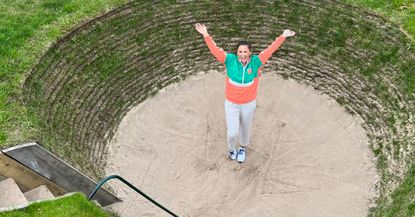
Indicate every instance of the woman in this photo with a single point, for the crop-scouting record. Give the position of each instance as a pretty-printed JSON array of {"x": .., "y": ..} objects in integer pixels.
[{"x": 242, "y": 70}]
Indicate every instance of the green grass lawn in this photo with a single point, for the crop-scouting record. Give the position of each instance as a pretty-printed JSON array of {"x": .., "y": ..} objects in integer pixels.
[
  {"x": 398, "y": 11},
  {"x": 27, "y": 30},
  {"x": 70, "y": 206}
]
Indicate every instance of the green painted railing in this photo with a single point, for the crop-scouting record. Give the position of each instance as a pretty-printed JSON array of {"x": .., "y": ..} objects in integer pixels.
[{"x": 103, "y": 181}]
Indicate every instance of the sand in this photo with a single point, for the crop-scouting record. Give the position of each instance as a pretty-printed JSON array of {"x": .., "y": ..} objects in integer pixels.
[{"x": 308, "y": 156}]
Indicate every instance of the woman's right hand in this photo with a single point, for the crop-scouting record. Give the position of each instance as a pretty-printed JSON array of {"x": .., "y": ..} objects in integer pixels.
[
  {"x": 288, "y": 33},
  {"x": 201, "y": 29}
]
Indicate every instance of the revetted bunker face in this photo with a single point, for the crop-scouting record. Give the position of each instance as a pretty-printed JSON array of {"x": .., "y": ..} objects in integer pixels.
[{"x": 88, "y": 80}]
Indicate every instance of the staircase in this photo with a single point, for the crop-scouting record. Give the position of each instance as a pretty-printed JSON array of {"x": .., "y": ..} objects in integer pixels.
[
  {"x": 29, "y": 173},
  {"x": 12, "y": 197}
]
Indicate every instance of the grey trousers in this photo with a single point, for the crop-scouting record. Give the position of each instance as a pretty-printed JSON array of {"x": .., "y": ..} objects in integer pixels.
[{"x": 238, "y": 120}]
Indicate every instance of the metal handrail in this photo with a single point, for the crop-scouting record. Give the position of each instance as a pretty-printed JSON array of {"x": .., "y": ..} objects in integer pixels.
[{"x": 131, "y": 186}]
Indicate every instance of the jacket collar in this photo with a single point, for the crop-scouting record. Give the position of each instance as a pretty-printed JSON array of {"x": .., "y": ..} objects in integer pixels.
[{"x": 247, "y": 62}]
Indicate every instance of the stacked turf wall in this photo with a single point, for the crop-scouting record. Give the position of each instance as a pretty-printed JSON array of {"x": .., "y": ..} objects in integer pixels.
[{"x": 88, "y": 80}]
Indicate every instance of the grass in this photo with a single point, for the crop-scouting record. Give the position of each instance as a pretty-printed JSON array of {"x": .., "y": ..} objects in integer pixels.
[
  {"x": 402, "y": 12},
  {"x": 69, "y": 206},
  {"x": 28, "y": 29},
  {"x": 402, "y": 200},
  {"x": 398, "y": 11}
]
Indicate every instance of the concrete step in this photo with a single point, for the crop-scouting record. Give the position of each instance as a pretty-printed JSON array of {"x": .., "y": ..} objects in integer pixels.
[
  {"x": 40, "y": 193},
  {"x": 25, "y": 177},
  {"x": 43, "y": 162},
  {"x": 11, "y": 196}
]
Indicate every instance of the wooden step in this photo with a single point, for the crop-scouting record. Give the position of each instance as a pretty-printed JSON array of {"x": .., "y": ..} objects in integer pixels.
[
  {"x": 11, "y": 196},
  {"x": 40, "y": 193}
]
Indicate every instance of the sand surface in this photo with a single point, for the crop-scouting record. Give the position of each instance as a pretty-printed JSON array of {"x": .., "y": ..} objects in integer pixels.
[{"x": 307, "y": 157}]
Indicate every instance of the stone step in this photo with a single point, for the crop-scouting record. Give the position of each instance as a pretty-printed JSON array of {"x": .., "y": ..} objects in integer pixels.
[
  {"x": 11, "y": 196},
  {"x": 39, "y": 193}
]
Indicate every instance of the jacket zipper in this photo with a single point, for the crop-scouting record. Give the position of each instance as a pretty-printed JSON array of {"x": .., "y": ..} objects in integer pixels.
[{"x": 243, "y": 73}]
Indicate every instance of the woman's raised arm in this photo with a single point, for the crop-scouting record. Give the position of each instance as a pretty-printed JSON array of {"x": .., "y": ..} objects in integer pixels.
[
  {"x": 267, "y": 53},
  {"x": 220, "y": 54}
]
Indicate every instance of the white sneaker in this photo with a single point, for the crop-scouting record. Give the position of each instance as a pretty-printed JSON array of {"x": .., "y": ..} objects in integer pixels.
[
  {"x": 241, "y": 155},
  {"x": 232, "y": 154}
]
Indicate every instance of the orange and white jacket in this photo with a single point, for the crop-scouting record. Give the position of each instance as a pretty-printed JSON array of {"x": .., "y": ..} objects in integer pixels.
[{"x": 242, "y": 81}]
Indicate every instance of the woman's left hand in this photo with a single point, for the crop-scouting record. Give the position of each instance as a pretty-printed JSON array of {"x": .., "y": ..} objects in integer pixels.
[{"x": 288, "y": 33}]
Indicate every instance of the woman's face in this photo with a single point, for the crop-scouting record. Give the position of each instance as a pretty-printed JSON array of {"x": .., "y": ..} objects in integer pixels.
[{"x": 243, "y": 53}]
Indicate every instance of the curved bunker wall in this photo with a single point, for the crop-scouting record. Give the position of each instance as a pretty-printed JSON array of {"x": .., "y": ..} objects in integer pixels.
[{"x": 85, "y": 84}]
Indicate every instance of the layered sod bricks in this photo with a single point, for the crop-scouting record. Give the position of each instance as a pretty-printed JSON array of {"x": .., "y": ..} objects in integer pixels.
[{"x": 88, "y": 80}]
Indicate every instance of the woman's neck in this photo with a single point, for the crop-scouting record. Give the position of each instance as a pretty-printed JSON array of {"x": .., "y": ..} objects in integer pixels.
[{"x": 246, "y": 62}]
